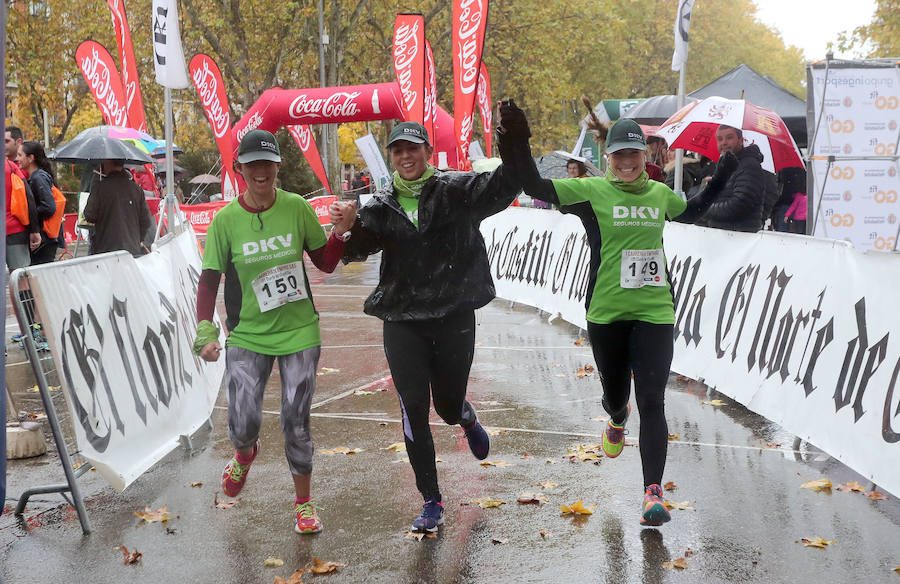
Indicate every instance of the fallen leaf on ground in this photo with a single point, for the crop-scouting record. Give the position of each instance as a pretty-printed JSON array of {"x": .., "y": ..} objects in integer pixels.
[
  {"x": 545, "y": 534},
  {"x": 897, "y": 569},
  {"x": 419, "y": 535},
  {"x": 585, "y": 453},
  {"x": 37, "y": 417},
  {"x": 773, "y": 444},
  {"x": 224, "y": 504},
  {"x": 584, "y": 371},
  {"x": 151, "y": 516},
  {"x": 550, "y": 461},
  {"x": 485, "y": 502},
  {"x": 296, "y": 578},
  {"x": 273, "y": 562},
  {"x": 33, "y": 389},
  {"x": 677, "y": 564},
  {"x": 396, "y": 447},
  {"x": 713, "y": 402},
  {"x": 496, "y": 432},
  {"x": 531, "y": 499},
  {"x": 579, "y": 342},
  {"x": 320, "y": 567},
  {"x": 495, "y": 463},
  {"x": 341, "y": 450},
  {"x": 547, "y": 485},
  {"x": 688, "y": 552},
  {"x": 438, "y": 459},
  {"x": 817, "y": 485},
  {"x": 499, "y": 540},
  {"x": 670, "y": 486},
  {"x": 679, "y": 505},
  {"x": 588, "y": 367},
  {"x": 876, "y": 496},
  {"x": 170, "y": 531},
  {"x": 130, "y": 558},
  {"x": 326, "y": 370},
  {"x": 363, "y": 392},
  {"x": 816, "y": 542},
  {"x": 195, "y": 484},
  {"x": 399, "y": 460},
  {"x": 674, "y": 436},
  {"x": 852, "y": 486},
  {"x": 526, "y": 455},
  {"x": 577, "y": 508}
]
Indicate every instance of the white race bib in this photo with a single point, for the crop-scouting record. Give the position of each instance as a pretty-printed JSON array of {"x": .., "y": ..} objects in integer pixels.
[
  {"x": 279, "y": 285},
  {"x": 642, "y": 267}
]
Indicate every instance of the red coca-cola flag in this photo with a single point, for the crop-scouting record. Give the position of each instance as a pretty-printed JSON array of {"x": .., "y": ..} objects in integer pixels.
[
  {"x": 469, "y": 22},
  {"x": 430, "y": 97},
  {"x": 484, "y": 107},
  {"x": 320, "y": 206},
  {"x": 130, "y": 81},
  {"x": 103, "y": 80},
  {"x": 200, "y": 216},
  {"x": 208, "y": 80},
  {"x": 409, "y": 64},
  {"x": 303, "y": 136}
]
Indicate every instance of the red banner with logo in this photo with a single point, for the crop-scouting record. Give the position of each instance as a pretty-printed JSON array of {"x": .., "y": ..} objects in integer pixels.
[
  {"x": 320, "y": 206},
  {"x": 208, "y": 80},
  {"x": 430, "y": 97},
  {"x": 200, "y": 216},
  {"x": 103, "y": 80},
  {"x": 409, "y": 64},
  {"x": 485, "y": 107},
  {"x": 469, "y": 22},
  {"x": 130, "y": 80},
  {"x": 303, "y": 136}
]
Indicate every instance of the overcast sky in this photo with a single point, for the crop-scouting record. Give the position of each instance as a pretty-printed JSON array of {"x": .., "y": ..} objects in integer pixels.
[{"x": 811, "y": 24}]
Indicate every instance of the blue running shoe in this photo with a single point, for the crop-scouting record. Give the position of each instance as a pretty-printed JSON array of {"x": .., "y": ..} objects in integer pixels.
[
  {"x": 653, "y": 511},
  {"x": 431, "y": 517},
  {"x": 479, "y": 441}
]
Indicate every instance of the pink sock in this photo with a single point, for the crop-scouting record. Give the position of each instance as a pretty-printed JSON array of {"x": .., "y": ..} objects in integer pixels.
[
  {"x": 302, "y": 500},
  {"x": 244, "y": 459}
]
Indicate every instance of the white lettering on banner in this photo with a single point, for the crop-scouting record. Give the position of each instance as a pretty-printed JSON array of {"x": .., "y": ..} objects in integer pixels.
[
  {"x": 266, "y": 245},
  {"x": 337, "y": 105},
  {"x": 406, "y": 49},
  {"x": 253, "y": 122},
  {"x": 160, "y": 16},
  {"x": 120, "y": 26},
  {"x": 208, "y": 88},
  {"x": 303, "y": 136},
  {"x": 465, "y": 130},
  {"x": 809, "y": 349},
  {"x": 469, "y": 22},
  {"x": 120, "y": 331},
  {"x": 99, "y": 78}
]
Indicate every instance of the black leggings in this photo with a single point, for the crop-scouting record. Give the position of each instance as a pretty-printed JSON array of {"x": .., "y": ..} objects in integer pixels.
[
  {"x": 430, "y": 359},
  {"x": 644, "y": 349}
]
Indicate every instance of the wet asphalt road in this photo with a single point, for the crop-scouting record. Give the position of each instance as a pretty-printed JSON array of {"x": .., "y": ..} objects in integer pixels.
[{"x": 739, "y": 474}]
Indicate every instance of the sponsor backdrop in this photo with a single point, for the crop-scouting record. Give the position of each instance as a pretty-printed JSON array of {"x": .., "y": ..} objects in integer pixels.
[
  {"x": 858, "y": 110},
  {"x": 797, "y": 329},
  {"x": 121, "y": 331}
]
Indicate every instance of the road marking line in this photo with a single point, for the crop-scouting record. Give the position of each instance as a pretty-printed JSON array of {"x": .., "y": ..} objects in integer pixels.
[{"x": 350, "y": 392}]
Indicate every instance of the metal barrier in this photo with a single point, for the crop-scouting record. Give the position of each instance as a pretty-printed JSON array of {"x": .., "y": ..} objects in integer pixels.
[{"x": 24, "y": 304}]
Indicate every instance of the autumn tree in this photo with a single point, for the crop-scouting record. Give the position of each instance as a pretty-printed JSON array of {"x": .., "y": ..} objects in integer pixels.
[{"x": 881, "y": 36}]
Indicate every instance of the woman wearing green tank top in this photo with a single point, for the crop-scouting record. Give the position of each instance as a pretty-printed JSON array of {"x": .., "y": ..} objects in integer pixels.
[{"x": 630, "y": 310}]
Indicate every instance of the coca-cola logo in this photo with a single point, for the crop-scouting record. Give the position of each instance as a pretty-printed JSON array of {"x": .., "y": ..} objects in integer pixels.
[
  {"x": 200, "y": 218},
  {"x": 254, "y": 122},
  {"x": 483, "y": 104},
  {"x": 468, "y": 40},
  {"x": 465, "y": 130},
  {"x": 207, "y": 83},
  {"x": 99, "y": 77},
  {"x": 303, "y": 136},
  {"x": 340, "y": 104},
  {"x": 406, "y": 50},
  {"x": 430, "y": 86}
]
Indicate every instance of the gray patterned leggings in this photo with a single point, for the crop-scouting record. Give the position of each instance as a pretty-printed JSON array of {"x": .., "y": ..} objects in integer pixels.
[{"x": 246, "y": 374}]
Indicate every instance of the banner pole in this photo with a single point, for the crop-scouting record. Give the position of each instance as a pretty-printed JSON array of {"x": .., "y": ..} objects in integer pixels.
[
  {"x": 170, "y": 164},
  {"x": 679, "y": 153}
]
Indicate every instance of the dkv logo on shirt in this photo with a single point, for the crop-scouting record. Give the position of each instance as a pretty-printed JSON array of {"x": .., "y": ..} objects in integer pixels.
[
  {"x": 277, "y": 243},
  {"x": 635, "y": 212}
]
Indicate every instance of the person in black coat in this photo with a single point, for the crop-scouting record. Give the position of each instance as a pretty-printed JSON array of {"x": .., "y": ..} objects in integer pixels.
[{"x": 434, "y": 274}]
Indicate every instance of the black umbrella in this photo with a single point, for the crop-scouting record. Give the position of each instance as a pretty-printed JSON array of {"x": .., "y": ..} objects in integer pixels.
[
  {"x": 88, "y": 147},
  {"x": 655, "y": 110}
]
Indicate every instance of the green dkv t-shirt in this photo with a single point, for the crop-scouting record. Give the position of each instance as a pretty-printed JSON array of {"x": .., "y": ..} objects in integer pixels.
[
  {"x": 631, "y": 280},
  {"x": 277, "y": 313}
]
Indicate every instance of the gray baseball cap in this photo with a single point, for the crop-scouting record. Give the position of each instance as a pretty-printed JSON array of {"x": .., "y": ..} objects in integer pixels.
[
  {"x": 411, "y": 132},
  {"x": 258, "y": 145},
  {"x": 624, "y": 134}
]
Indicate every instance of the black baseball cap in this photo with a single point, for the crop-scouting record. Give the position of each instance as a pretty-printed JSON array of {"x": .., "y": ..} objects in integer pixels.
[
  {"x": 258, "y": 145},
  {"x": 624, "y": 134},
  {"x": 411, "y": 132}
]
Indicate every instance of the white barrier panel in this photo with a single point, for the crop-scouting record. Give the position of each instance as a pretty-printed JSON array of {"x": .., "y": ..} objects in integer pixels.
[
  {"x": 797, "y": 329},
  {"x": 121, "y": 331}
]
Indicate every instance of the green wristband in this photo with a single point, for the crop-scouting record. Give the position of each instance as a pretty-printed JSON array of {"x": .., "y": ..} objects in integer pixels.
[{"x": 207, "y": 333}]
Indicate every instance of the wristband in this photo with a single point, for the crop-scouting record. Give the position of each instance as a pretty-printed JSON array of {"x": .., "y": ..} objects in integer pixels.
[{"x": 207, "y": 333}]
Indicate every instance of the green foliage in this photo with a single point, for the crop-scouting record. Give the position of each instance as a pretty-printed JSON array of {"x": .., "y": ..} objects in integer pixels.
[{"x": 881, "y": 37}]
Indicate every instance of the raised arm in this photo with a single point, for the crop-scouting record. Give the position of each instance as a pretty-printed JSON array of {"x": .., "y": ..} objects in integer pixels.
[{"x": 515, "y": 150}]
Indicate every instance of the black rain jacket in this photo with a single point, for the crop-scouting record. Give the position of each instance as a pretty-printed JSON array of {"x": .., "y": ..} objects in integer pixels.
[
  {"x": 739, "y": 207},
  {"x": 441, "y": 267}
]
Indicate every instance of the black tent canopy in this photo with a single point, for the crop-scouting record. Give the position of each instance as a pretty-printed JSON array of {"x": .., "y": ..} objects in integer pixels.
[{"x": 762, "y": 91}]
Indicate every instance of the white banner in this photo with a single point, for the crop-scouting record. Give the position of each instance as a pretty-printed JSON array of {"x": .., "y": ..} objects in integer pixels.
[
  {"x": 121, "y": 331},
  {"x": 795, "y": 328},
  {"x": 682, "y": 27},
  {"x": 371, "y": 153},
  {"x": 168, "y": 56},
  {"x": 858, "y": 116}
]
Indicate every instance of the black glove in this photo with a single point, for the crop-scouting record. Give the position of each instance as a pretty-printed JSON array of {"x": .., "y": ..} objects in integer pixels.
[{"x": 513, "y": 124}]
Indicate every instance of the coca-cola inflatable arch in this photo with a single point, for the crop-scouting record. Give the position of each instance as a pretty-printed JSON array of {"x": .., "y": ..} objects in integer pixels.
[{"x": 334, "y": 105}]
